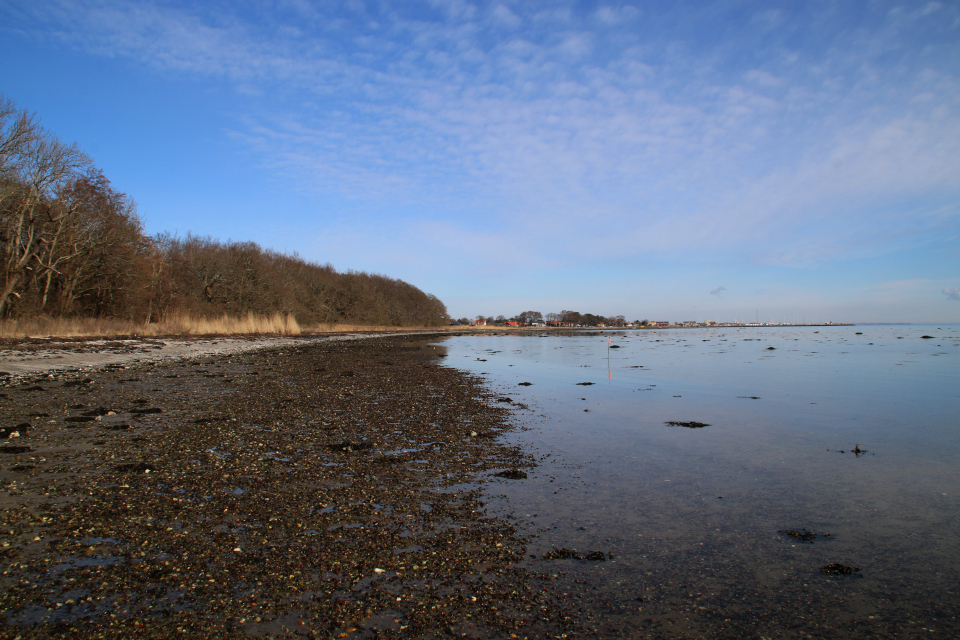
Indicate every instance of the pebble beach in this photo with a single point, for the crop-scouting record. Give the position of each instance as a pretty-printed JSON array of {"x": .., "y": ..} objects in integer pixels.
[{"x": 286, "y": 488}]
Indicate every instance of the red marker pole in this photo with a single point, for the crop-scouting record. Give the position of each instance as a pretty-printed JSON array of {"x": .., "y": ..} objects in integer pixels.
[{"x": 609, "y": 370}]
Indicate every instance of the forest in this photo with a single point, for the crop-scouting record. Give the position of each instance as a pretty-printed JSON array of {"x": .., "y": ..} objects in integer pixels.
[{"x": 72, "y": 246}]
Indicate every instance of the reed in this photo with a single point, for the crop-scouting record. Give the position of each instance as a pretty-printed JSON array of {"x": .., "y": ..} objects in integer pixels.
[
  {"x": 277, "y": 324},
  {"x": 185, "y": 324},
  {"x": 67, "y": 327},
  {"x": 178, "y": 325}
]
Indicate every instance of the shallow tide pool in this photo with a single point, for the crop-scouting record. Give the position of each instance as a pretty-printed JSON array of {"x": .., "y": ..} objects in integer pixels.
[{"x": 848, "y": 433}]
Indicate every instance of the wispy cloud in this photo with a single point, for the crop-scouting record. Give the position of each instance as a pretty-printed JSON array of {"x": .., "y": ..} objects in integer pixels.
[
  {"x": 553, "y": 124},
  {"x": 952, "y": 293},
  {"x": 504, "y": 16},
  {"x": 802, "y": 136},
  {"x": 719, "y": 291}
]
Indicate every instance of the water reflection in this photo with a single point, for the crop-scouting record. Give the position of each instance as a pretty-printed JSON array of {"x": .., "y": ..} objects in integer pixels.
[{"x": 694, "y": 517}]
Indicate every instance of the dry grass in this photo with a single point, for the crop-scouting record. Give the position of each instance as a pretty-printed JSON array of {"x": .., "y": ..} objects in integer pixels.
[
  {"x": 180, "y": 325},
  {"x": 187, "y": 325},
  {"x": 278, "y": 324},
  {"x": 67, "y": 327}
]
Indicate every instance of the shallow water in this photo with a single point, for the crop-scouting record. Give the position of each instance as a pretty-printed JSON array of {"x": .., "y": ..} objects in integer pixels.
[{"x": 856, "y": 436}]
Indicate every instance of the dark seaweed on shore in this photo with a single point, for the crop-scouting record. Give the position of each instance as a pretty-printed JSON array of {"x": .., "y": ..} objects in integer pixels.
[
  {"x": 261, "y": 506},
  {"x": 569, "y": 554},
  {"x": 802, "y": 535},
  {"x": 837, "y": 569}
]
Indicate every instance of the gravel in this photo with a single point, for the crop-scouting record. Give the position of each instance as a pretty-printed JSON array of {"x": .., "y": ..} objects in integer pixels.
[{"x": 311, "y": 489}]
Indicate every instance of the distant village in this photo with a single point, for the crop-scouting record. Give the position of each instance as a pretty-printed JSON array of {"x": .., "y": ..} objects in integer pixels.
[{"x": 574, "y": 319}]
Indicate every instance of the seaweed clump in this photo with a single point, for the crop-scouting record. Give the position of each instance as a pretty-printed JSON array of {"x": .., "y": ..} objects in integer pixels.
[
  {"x": 570, "y": 554},
  {"x": 802, "y": 535},
  {"x": 837, "y": 569}
]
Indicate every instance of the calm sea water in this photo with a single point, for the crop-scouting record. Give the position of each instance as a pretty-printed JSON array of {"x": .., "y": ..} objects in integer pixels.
[{"x": 847, "y": 431}]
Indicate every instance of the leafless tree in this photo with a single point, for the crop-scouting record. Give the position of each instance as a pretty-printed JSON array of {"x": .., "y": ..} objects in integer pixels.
[
  {"x": 35, "y": 167},
  {"x": 70, "y": 244}
]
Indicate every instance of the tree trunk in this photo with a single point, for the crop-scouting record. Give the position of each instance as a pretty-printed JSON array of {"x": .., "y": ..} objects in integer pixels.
[{"x": 8, "y": 292}]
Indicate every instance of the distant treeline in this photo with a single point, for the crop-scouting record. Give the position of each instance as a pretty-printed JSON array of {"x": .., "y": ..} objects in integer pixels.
[
  {"x": 565, "y": 318},
  {"x": 72, "y": 246}
]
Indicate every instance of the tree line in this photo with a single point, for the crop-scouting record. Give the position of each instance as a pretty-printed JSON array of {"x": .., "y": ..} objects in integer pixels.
[
  {"x": 73, "y": 246},
  {"x": 564, "y": 318}
]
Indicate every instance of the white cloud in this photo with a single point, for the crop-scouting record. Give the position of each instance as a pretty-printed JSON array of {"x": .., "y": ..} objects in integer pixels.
[
  {"x": 616, "y": 16},
  {"x": 458, "y": 9},
  {"x": 768, "y": 19},
  {"x": 503, "y": 16},
  {"x": 675, "y": 144},
  {"x": 575, "y": 45},
  {"x": 762, "y": 78},
  {"x": 952, "y": 293}
]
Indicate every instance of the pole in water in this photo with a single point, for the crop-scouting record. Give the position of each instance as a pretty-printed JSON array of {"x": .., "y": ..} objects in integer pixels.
[{"x": 609, "y": 370}]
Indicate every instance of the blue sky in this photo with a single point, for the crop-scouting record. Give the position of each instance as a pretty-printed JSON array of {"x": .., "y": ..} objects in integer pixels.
[{"x": 663, "y": 160}]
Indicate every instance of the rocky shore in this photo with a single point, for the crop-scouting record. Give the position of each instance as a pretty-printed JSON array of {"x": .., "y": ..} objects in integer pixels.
[{"x": 310, "y": 489}]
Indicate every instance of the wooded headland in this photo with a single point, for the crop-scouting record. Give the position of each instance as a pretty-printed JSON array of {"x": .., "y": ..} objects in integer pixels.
[{"x": 72, "y": 246}]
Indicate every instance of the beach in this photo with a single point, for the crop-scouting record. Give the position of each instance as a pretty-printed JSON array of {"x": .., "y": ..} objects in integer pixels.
[
  {"x": 723, "y": 483},
  {"x": 301, "y": 488}
]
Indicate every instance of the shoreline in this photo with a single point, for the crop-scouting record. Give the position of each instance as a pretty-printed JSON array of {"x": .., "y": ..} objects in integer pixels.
[
  {"x": 300, "y": 488},
  {"x": 27, "y": 358},
  {"x": 24, "y": 358}
]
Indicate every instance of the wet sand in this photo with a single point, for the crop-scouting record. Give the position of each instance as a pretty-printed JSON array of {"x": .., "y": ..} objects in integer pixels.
[
  {"x": 312, "y": 489},
  {"x": 25, "y": 357}
]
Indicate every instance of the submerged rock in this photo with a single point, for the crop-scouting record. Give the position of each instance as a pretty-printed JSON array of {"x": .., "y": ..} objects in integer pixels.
[
  {"x": 570, "y": 554},
  {"x": 802, "y": 535},
  {"x": 837, "y": 569},
  {"x": 14, "y": 449},
  {"x": 350, "y": 446}
]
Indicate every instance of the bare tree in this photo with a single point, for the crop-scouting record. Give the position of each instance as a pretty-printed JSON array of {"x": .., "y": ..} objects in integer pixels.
[
  {"x": 18, "y": 130},
  {"x": 101, "y": 255},
  {"x": 35, "y": 166},
  {"x": 530, "y": 317},
  {"x": 70, "y": 244}
]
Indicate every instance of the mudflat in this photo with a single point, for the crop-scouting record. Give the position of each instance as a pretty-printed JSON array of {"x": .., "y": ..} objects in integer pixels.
[{"x": 312, "y": 489}]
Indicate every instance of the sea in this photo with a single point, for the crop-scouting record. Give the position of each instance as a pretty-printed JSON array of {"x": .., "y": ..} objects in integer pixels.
[{"x": 762, "y": 482}]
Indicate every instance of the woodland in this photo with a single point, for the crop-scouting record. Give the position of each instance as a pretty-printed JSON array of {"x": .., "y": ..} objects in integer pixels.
[{"x": 72, "y": 246}]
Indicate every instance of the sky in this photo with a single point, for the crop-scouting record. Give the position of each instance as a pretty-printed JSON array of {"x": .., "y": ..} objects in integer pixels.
[{"x": 683, "y": 160}]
